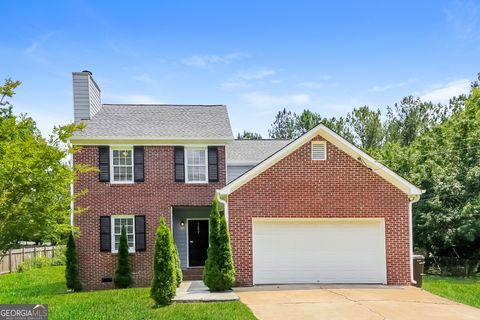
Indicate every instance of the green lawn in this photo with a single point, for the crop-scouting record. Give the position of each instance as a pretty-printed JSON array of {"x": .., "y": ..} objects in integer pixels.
[
  {"x": 457, "y": 289},
  {"x": 47, "y": 285}
]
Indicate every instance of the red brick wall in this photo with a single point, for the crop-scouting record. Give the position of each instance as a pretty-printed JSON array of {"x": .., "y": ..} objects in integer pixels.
[
  {"x": 152, "y": 198},
  {"x": 339, "y": 187}
]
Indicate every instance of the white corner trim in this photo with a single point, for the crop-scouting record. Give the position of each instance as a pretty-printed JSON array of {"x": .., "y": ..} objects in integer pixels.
[{"x": 337, "y": 141}]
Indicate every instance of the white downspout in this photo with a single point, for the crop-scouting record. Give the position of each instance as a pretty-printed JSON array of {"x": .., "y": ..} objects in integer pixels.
[
  {"x": 412, "y": 200},
  {"x": 72, "y": 204},
  {"x": 225, "y": 205}
]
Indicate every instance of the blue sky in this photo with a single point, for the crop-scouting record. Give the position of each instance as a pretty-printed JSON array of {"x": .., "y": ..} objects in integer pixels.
[{"x": 254, "y": 56}]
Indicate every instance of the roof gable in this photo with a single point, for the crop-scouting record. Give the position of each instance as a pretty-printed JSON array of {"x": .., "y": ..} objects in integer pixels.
[{"x": 342, "y": 144}]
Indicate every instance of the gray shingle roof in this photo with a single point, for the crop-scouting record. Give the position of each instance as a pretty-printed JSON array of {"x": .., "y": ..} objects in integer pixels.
[
  {"x": 158, "y": 122},
  {"x": 253, "y": 151}
]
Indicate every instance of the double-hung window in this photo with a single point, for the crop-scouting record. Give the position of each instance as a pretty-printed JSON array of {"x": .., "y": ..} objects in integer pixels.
[
  {"x": 196, "y": 165},
  {"x": 117, "y": 223},
  {"x": 122, "y": 165}
]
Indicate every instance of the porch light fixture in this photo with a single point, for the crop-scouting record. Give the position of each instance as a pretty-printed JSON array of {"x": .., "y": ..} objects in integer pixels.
[{"x": 182, "y": 223}]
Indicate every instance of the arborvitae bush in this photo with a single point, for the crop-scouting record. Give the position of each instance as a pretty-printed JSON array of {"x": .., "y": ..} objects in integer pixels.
[
  {"x": 123, "y": 275},
  {"x": 164, "y": 282},
  {"x": 178, "y": 268},
  {"x": 219, "y": 273},
  {"x": 72, "y": 276}
]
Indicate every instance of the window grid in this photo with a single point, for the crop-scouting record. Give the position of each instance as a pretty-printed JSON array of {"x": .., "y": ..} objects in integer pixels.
[
  {"x": 128, "y": 222},
  {"x": 122, "y": 165},
  {"x": 196, "y": 165}
]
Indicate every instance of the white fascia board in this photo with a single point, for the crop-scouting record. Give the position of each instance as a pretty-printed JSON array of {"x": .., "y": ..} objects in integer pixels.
[{"x": 339, "y": 142}]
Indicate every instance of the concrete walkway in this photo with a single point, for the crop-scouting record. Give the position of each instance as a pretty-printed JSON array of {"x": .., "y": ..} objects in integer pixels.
[
  {"x": 351, "y": 302},
  {"x": 196, "y": 291}
]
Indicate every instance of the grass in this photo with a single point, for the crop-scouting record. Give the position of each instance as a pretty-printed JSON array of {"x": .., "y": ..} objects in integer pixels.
[
  {"x": 47, "y": 285},
  {"x": 464, "y": 290}
]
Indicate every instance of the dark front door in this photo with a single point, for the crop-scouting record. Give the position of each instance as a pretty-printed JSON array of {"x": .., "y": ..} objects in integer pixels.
[{"x": 197, "y": 242}]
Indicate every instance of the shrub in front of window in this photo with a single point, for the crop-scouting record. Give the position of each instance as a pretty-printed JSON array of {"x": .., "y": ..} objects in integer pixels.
[
  {"x": 219, "y": 273},
  {"x": 164, "y": 283},
  {"x": 72, "y": 276},
  {"x": 123, "y": 274},
  {"x": 178, "y": 268}
]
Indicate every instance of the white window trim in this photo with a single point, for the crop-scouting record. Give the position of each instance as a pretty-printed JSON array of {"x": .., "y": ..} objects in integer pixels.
[
  {"x": 205, "y": 149},
  {"x": 112, "y": 224},
  {"x": 324, "y": 143},
  {"x": 111, "y": 164}
]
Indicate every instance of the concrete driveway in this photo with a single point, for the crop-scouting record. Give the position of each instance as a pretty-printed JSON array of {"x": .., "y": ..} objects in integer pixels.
[{"x": 337, "y": 302}]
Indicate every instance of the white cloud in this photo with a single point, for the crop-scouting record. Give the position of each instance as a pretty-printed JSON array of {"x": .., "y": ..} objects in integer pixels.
[
  {"x": 145, "y": 78},
  {"x": 320, "y": 82},
  {"x": 242, "y": 78},
  {"x": 198, "y": 60},
  {"x": 262, "y": 100},
  {"x": 393, "y": 85},
  {"x": 442, "y": 94},
  {"x": 38, "y": 42}
]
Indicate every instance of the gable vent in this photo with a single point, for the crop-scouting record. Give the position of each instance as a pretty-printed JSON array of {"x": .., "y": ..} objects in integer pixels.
[{"x": 319, "y": 150}]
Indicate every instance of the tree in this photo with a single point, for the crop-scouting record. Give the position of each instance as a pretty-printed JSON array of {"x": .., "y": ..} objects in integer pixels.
[
  {"x": 123, "y": 274},
  {"x": 34, "y": 178},
  {"x": 445, "y": 161},
  {"x": 412, "y": 117},
  {"x": 366, "y": 126},
  {"x": 227, "y": 269},
  {"x": 72, "y": 276},
  {"x": 340, "y": 127},
  {"x": 306, "y": 121},
  {"x": 219, "y": 274},
  {"x": 178, "y": 268},
  {"x": 164, "y": 282},
  {"x": 247, "y": 135},
  {"x": 284, "y": 126}
]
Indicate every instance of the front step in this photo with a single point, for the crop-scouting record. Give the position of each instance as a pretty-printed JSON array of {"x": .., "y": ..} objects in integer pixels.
[{"x": 192, "y": 274}]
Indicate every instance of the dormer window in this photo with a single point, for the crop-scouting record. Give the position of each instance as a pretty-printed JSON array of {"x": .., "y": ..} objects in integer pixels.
[{"x": 196, "y": 165}]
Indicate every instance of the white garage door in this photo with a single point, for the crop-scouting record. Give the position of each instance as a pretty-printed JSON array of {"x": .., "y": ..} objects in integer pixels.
[{"x": 318, "y": 251}]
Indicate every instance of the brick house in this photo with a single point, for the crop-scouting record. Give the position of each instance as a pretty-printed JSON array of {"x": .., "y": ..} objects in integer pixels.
[{"x": 312, "y": 210}]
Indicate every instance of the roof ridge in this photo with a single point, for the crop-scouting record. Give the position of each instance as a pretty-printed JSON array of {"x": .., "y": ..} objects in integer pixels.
[
  {"x": 164, "y": 105},
  {"x": 263, "y": 139}
]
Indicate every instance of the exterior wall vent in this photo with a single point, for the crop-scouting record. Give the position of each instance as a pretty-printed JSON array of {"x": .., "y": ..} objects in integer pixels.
[{"x": 319, "y": 150}]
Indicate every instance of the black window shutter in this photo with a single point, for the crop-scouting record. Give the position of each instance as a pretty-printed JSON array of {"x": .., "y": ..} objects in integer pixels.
[
  {"x": 138, "y": 157},
  {"x": 140, "y": 240},
  {"x": 179, "y": 162},
  {"x": 213, "y": 164},
  {"x": 104, "y": 163},
  {"x": 105, "y": 233}
]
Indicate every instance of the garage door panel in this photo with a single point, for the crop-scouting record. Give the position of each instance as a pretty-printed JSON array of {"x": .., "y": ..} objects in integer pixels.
[{"x": 323, "y": 251}]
